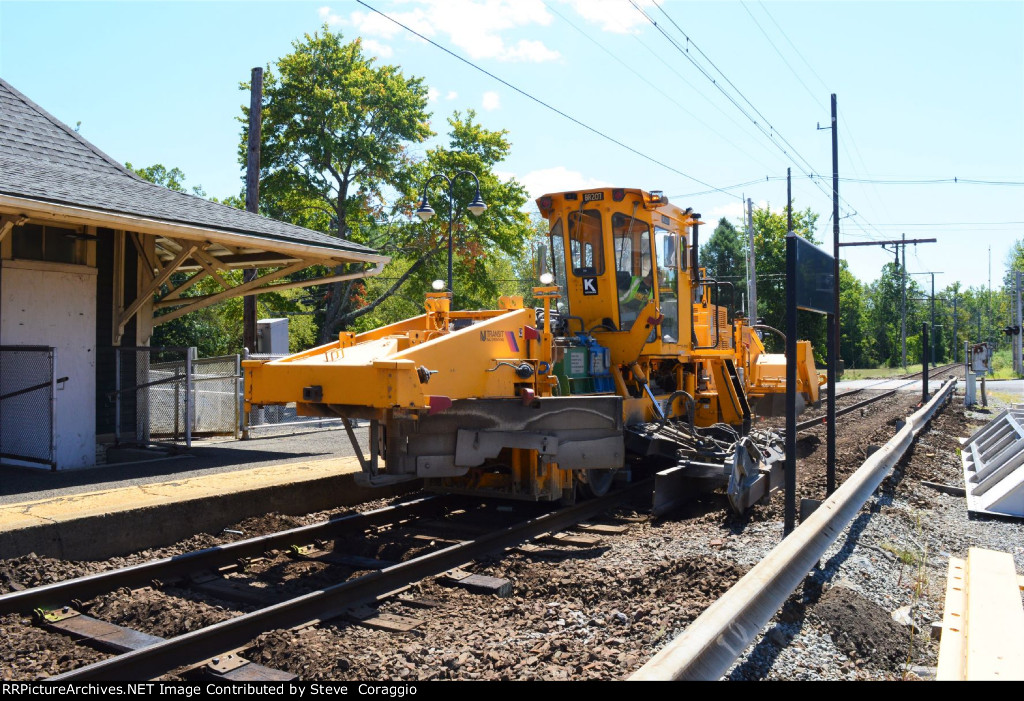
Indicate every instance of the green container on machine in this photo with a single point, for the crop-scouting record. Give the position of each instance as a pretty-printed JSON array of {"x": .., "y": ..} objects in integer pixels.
[{"x": 572, "y": 372}]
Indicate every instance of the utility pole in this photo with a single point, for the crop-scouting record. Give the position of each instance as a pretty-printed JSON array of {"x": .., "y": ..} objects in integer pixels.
[
  {"x": 933, "y": 321},
  {"x": 932, "y": 349},
  {"x": 956, "y": 342},
  {"x": 752, "y": 265},
  {"x": 1019, "y": 339},
  {"x": 833, "y": 319},
  {"x": 898, "y": 244},
  {"x": 252, "y": 197},
  {"x": 833, "y": 323},
  {"x": 903, "y": 316}
]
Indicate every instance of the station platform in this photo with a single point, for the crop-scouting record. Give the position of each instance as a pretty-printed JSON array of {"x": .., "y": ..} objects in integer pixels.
[{"x": 114, "y": 509}]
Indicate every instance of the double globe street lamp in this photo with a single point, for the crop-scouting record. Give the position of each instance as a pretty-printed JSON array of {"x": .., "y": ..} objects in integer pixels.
[{"x": 425, "y": 211}]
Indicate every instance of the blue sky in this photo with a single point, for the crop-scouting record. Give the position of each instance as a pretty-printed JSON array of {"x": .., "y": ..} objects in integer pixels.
[{"x": 926, "y": 91}]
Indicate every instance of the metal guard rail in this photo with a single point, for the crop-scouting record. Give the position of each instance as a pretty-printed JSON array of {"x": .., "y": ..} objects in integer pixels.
[{"x": 715, "y": 640}]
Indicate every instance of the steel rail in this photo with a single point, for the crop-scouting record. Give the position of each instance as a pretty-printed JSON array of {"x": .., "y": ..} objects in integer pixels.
[
  {"x": 713, "y": 642},
  {"x": 325, "y": 604},
  {"x": 941, "y": 368},
  {"x": 83, "y": 588},
  {"x": 820, "y": 420}
]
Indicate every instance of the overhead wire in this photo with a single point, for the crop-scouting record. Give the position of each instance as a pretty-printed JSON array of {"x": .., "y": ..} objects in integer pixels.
[
  {"x": 791, "y": 69},
  {"x": 541, "y": 102},
  {"x": 771, "y": 132},
  {"x": 847, "y": 130},
  {"x": 644, "y": 78}
]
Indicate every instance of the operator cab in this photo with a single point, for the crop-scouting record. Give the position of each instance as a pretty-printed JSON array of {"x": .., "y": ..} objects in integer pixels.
[{"x": 614, "y": 250}]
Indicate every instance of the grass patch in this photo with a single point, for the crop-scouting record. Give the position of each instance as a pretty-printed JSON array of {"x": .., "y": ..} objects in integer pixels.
[
  {"x": 1007, "y": 398},
  {"x": 1002, "y": 365},
  {"x": 912, "y": 558},
  {"x": 877, "y": 373}
]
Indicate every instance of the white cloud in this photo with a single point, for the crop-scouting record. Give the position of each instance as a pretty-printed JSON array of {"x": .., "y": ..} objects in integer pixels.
[
  {"x": 557, "y": 179},
  {"x": 530, "y": 51},
  {"x": 375, "y": 47},
  {"x": 432, "y": 94},
  {"x": 474, "y": 26},
  {"x": 613, "y": 15},
  {"x": 491, "y": 101},
  {"x": 451, "y": 95},
  {"x": 373, "y": 24},
  {"x": 329, "y": 17},
  {"x": 732, "y": 211}
]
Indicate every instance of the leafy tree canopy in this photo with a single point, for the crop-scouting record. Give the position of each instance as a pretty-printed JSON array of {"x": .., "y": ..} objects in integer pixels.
[{"x": 724, "y": 255}]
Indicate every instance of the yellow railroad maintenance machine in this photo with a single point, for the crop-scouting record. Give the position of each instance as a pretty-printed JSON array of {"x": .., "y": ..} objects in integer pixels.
[{"x": 628, "y": 361}]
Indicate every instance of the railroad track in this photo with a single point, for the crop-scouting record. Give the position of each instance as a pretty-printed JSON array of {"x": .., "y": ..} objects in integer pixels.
[
  {"x": 208, "y": 649},
  {"x": 196, "y": 650},
  {"x": 821, "y": 420},
  {"x": 932, "y": 372}
]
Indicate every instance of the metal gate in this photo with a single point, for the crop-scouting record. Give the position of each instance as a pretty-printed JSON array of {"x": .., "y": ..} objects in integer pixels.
[
  {"x": 28, "y": 397},
  {"x": 176, "y": 395}
]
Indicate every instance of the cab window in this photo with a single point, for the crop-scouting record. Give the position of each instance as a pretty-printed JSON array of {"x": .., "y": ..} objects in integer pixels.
[
  {"x": 667, "y": 247},
  {"x": 585, "y": 248},
  {"x": 631, "y": 242},
  {"x": 558, "y": 256}
]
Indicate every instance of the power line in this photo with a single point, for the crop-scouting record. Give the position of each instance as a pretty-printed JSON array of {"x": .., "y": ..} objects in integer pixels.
[
  {"x": 795, "y": 49},
  {"x": 932, "y": 181},
  {"x": 770, "y": 132},
  {"x": 753, "y": 138},
  {"x": 644, "y": 78},
  {"x": 848, "y": 130},
  {"x": 541, "y": 102},
  {"x": 961, "y": 223},
  {"x": 772, "y": 43}
]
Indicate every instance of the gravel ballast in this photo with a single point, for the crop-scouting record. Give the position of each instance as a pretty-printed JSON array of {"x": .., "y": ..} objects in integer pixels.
[{"x": 599, "y": 612}]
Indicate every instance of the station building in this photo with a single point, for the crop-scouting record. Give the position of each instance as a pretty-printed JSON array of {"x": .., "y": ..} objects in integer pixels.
[{"x": 87, "y": 254}]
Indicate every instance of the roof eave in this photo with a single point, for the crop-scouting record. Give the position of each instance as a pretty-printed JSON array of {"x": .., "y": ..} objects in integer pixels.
[{"x": 73, "y": 214}]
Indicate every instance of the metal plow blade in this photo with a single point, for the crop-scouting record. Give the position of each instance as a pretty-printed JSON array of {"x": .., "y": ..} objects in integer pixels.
[{"x": 756, "y": 470}]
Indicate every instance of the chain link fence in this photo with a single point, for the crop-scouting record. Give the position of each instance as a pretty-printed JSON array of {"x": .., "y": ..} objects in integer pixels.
[
  {"x": 217, "y": 396},
  {"x": 176, "y": 396},
  {"x": 27, "y": 404},
  {"x": 154, "y": 383}
]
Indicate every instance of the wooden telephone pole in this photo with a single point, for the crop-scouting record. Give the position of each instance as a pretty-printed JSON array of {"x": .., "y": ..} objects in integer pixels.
[{"x": 252, "y": 197}]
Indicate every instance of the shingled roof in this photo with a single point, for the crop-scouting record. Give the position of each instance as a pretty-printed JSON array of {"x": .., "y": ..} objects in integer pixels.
[{"x": 43, "y": 160}]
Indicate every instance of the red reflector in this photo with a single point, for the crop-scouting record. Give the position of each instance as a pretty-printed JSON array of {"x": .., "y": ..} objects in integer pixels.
[
  {"x": 530, "y": 333},
  {"x": 439, "y": 404},
  {"x": 618, "y": 194}
]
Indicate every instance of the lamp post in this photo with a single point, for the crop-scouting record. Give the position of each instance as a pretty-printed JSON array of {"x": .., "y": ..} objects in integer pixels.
[{"x": 476, "y": 207}]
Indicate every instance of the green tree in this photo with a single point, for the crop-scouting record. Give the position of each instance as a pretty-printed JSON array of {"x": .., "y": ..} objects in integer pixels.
[
  {"x": 171, "y": 178},
  {"x": 855, "y": 347},
  {"x": 724, "y": 256},
  {"x": 885, "y": 312},
  {"x": 770, "y": 251},
  {"x": 336, "y": 135},
  {"x": 487, "y": 250}
]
